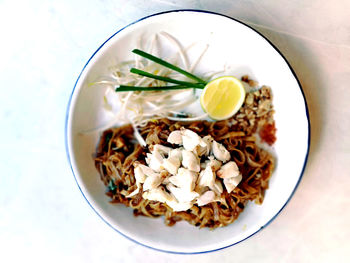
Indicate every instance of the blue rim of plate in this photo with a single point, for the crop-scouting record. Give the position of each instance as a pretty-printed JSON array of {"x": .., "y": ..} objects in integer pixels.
[{"x": 307, "y": 116}]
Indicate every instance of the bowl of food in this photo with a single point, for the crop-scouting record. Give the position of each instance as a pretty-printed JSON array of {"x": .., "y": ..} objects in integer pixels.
[{"x": 187, "y": 131}]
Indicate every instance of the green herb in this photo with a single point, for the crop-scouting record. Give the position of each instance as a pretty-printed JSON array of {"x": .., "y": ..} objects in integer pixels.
[
  {"x": 112, "y": 187},
  {"x": 199, "y": 84},
  {"x": 166, "y": 79},
  {"x": 122, "y": 88},
  {"x": 168, "y": 65}
]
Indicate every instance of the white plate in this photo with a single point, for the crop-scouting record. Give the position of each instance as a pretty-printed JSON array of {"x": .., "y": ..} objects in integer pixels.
[{"x": 232, "y": 43}]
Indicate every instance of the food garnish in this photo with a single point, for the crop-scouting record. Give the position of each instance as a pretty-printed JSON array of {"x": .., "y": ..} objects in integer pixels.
[{"x": 221, "y": 98}]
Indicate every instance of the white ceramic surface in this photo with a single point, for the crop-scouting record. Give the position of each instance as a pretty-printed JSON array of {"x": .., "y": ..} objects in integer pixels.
[
  {"x": 245, "y": 51},
  {"x": 43, "y": 215}
]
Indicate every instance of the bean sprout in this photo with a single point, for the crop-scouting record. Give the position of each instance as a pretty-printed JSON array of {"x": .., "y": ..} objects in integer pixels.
[{"x": 140, "y": 107}]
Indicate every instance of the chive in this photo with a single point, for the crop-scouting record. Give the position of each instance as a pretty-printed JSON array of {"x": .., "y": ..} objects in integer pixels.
[
  {"x": 168, "y": 65},
  {"x": 123, "y": 88},
  {"x": 166, "y": 79}
]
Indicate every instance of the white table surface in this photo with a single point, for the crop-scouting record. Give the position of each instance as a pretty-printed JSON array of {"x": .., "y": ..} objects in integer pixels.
[{"x": 43, "y": 47}]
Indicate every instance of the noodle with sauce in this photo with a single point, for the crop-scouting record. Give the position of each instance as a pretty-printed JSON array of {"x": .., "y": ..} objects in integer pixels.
[{"x": 118, "y": 151}]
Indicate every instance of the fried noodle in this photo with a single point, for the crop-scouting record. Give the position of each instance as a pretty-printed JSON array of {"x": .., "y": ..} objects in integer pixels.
[{"x": 118, "y": 150}]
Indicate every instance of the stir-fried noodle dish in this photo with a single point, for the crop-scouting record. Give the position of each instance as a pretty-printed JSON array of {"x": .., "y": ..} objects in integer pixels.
[
  {"x": 204, "y": 172},
  {"x": 118, "y": 153}
]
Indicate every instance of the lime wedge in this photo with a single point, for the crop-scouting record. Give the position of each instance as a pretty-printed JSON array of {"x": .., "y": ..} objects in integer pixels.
[{"x": 222, "y": 97}]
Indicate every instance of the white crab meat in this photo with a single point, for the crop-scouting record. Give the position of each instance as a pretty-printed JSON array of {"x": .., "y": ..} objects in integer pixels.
[
  {"x": 173, "y": 162},
  {"x": 140, "y": 178},
  {"x": 228, "y": 170},
  {"x": 190, "y": 181},
  {"x": 158, "y": 194},
  {"x": 176, "y": 153},
  {"x": 175, "y": 137},
  {"x": 191, "y": 140},
  {"x": 147, "y": 171},
  {"x": 163, "y": 150},
  {"x": 152, "y": 182},
  {"x": 133, "y": 193},
  {"x": 155, "y": 160},
  {"x": 217, "y": 187},
  {"x": 205, "y": 146},
  {"x": 206, "y": 198},
  {"x": 181, "y": 194},
  {"x": 220, "y": 152},
  {"x": 171, "y": 166},
  {"x": 206, "y": 178},
  {"x": 148, "y": 158},
  {"x": 184, "y": 179},
  {"x": 231, "y": 182},
  {"x": 213, "y": 163},
  {"x": 190, "y": 161},
  {"x": 177, "y": 206}
]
